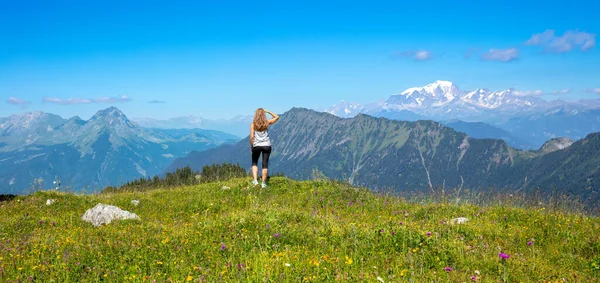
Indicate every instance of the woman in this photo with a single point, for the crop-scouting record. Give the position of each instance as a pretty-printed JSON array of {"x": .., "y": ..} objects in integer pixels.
[{"x": 261, "y": 143}]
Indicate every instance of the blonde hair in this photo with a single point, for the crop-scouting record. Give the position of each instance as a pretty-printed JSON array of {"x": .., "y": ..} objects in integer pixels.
[{"x": 260, "y": 120}]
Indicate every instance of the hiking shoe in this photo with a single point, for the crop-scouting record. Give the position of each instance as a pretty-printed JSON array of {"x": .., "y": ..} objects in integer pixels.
[
  {"x": 254, "y": 182},
  {"x": 263, "y": 185}
]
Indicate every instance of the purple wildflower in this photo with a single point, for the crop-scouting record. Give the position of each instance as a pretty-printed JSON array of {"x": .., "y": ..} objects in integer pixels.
[
  {"x": 393, "y": 233},
  {"x": 395, "y": 212},
  {"x": 41, "y": 221},
  {"x": 349, "y": 203},
  {"x": 448, "y": 268},
  {"x": 53, "y": 223},
  {"x": 400, "y": 223},
  {"x": 428, "y": 234},
  {"x": 474, "y": 278},
  {"x": 504, "y": 256},
  {"x": 442, "y": 222},
  {"x": 223, "y": 247},
  {"x": 529, "y": 243},
  {"x": 276, "y": 235}
]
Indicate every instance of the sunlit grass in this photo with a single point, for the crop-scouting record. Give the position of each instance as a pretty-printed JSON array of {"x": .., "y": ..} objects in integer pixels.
[{"x": 293, "y": 231}]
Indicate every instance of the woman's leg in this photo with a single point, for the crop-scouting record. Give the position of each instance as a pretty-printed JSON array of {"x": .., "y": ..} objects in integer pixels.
[
  {"x": 265, "y": 162},
  {"x": 255, "y": 156}
]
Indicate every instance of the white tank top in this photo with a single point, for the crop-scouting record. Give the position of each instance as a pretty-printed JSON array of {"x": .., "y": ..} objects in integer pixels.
[{"x": 261, "y": 138}]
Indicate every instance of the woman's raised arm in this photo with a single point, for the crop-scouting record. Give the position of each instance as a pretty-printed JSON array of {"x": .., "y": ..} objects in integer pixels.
[{"x": 275, "y": 117}]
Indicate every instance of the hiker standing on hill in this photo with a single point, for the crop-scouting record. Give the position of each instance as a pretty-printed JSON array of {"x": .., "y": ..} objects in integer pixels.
[{"x": 261, "y": 143}]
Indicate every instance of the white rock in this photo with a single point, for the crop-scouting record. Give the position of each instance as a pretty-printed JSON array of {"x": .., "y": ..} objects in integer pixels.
[
  {"x": 459, "y": 220},
  {"x": 135, "y": 202},
  {"x": 225, "y": 188},
  {"x": 50, "y": 201},
  {"x": 105, "y": 214}
]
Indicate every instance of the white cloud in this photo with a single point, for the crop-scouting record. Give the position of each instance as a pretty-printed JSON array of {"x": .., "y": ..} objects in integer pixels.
[
  {"x": 419, "y": 55},
  {"x": 422, "y": 55},
  {"x": 593, "y": 90},
  {"x": 122, "y": 98},
  {"x": 567, "y": 42},
  {"x": 536, "y": 92},
  {"x": 17, "y": 101},
  {"x": 502, "y": 55},
  {"x": 70, "y": 101},
  {"x": 562, "y": 91}
]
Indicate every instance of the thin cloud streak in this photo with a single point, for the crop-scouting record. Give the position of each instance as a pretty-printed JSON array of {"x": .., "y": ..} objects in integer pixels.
[
  {"x": 419, "y": 55},
  {"x": 16, "y": 101},
  {"x": 501, "y": 55},
  {"x": 565, "y": 43},
  {"x": 72, "y": 101}
]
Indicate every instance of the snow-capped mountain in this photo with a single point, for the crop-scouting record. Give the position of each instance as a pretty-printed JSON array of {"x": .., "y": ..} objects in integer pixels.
[
  {"x": 346, "y": 109},
  {"x": 437, "y": 94},
  {"x": 442, "y": 100}
]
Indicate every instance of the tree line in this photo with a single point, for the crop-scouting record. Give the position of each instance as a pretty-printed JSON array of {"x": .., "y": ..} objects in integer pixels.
[{"x": 184, "y": 177}]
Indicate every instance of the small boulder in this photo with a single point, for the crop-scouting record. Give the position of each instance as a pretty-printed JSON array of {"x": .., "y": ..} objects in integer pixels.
[
  {"x": 135, "y": 202},
  {"x": 105, "y": 214},
  {"x": 459, "y": 220},
  {"x": 50, "y": 201}
]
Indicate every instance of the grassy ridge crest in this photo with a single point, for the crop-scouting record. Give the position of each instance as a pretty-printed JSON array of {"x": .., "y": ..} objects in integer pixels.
[{"x": 293, "y": 231}]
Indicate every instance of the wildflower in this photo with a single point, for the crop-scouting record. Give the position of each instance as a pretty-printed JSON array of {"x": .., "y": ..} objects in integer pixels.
[
  {"x": 477, "y": 272},
  {"x": 428, "y": 234},
  {"x": 223, "y": 247},
  {"x": 276, "y": 235},
  {"x": 41, "y": 221},
  {"x": 529, "y": 243},
  {"x": 474, "y": 278},
  {"x": 380, "y": 279},
  {"x": 393, "y": 233},
  {"x": 442, "y": 222},
  {"x": 288, "y": 265},
  {"x": 348, "y": 261},
  {"x": 53, "y": 223},
  {"x": 189, "y": 278},
  {"x": 395, "y": 212},
  {"x": 504, "y": 256},
  {"x": 448, "y": 268},
  {"x": 400, "y": 223}
]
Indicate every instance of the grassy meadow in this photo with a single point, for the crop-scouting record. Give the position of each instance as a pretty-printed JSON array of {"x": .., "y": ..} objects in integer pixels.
[{"x": 313, "y": 231}]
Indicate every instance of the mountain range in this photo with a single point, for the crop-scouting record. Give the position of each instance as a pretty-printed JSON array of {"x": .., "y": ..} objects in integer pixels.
[
  {"x": 523, "y": 114},
  {"x": 107, "y": 149},
  {"x": 425, "y": 155},
  {"x": 237, "y": 125}
]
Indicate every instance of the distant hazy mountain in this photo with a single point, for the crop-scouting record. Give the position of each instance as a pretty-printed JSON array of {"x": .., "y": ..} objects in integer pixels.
[
  {"x": 238, "y": 125},
  {"x": 480, "y": 130},
  {"x": 528, "y": 118},
  {"x": 423, "y": 155},
  {"x": 108, "y": 149},
  {"x": 559, "y": 122}
]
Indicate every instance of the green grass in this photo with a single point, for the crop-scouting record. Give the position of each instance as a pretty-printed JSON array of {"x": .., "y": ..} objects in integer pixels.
[{"x": 293, "y": 231}]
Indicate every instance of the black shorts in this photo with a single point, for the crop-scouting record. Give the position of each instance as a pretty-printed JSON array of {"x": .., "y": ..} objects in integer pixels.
[{"x": 256, "y": 151}]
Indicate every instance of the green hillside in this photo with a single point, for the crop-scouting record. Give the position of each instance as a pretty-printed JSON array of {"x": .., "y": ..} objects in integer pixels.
[{"x": 314, "y": 231}]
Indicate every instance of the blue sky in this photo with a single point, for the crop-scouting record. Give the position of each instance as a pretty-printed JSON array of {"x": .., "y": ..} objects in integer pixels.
[{"x": 219, "y": 59}]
